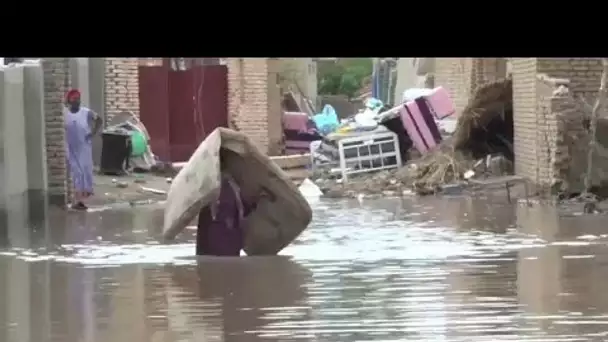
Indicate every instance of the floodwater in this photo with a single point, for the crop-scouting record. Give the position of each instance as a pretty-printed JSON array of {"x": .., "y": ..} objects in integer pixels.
[{"x": 447, "y": 269}]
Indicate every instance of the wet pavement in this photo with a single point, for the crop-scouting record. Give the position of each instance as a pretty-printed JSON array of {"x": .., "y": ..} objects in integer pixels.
[{"x": 447, "y": 269}]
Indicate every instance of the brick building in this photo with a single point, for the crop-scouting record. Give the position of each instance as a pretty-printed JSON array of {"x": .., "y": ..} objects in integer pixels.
[
  {"x": 254, "y": 102},
  {"x": 118, "y": 91},
  {"x": 549, "y": 137}
]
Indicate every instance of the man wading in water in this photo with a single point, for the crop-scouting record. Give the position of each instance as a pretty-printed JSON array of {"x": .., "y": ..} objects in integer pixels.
[{"x": 220, "y": 229}]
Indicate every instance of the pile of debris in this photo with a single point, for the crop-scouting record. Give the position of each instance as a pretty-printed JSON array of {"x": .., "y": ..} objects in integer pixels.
[
  {"x": 387, "y": 183},
  {"x": 481, "y": 146},
  {"x": 484, "y": 131}
]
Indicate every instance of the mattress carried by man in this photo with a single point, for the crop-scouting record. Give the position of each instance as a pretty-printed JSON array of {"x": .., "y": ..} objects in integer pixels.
[{"x": 243, "y": 200}]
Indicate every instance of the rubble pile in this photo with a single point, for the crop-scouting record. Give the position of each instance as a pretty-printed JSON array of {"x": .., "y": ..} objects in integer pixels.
[
  {"x": 387, "y": 183},
  {"x": 442, "y": 166},
  {"x": 484, "y": 131},
  {"x": 481, "y": 146}
]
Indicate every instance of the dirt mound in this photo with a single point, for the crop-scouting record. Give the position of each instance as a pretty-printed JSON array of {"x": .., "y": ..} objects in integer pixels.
[{"x": 485, "y": 127}]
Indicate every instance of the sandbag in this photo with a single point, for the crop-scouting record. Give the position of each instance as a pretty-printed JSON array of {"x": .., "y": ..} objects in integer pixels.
[{"x": 278, "y": 218}]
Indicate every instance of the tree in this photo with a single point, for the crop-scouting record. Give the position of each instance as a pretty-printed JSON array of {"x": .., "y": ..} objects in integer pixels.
[{"x": 344, "y": 76}]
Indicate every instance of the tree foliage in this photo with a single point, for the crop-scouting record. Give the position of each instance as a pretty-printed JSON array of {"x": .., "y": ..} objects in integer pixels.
[{"x": 344, "y": 76}]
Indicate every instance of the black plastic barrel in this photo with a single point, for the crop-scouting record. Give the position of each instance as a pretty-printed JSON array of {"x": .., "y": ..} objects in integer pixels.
[
  {"x": 115, "y": 152},
  {"x": 395, "y": 125}
]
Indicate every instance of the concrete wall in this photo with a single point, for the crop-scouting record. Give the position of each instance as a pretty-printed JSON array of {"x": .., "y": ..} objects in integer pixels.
[
  {"x": 406, "y": 77},
  {"x": 13, "y": 165},
  {"x": 303, "y": 71},
  {"x": 35, "y": 141},
  {"x": 97, "y": 98},
  {"x": 23, "y": 178},
  {"x": 254, "y": 101}
]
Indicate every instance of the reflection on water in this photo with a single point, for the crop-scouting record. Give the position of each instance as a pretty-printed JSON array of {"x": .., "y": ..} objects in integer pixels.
[
  {"x": 244, "y": 294},
  {"x": 447, "y": 269}
]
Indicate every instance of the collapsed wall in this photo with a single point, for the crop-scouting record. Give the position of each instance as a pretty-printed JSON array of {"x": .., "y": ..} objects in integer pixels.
[
  {"x": 563, "y": 140},
  {"x": 550, "y": 137}
]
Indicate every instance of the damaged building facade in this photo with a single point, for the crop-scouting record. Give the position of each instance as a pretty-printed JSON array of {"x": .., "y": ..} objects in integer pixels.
[{"x": 551, "y": 98}]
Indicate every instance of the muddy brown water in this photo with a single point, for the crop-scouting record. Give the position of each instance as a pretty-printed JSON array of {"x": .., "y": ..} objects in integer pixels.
[{"x": 380, "y": 270}]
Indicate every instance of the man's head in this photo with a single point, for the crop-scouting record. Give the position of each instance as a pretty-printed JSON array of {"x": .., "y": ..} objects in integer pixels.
[{"x": 72, "y": 100}]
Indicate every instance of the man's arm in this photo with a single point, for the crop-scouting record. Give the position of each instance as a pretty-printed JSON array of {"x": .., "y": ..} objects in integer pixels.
[{"x": 97, "y": 122}]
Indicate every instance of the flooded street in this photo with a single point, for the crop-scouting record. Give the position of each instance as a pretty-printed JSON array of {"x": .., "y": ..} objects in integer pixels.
[{"x": 448, "y": 269}]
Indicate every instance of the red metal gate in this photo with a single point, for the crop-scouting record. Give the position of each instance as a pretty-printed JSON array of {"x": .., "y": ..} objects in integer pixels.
[
  {"x": 154, "y": 107},
  {"x": 180, "y": 114}
]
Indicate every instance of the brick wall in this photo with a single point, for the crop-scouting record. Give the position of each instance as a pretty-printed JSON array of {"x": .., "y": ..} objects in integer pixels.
[
  {"x": 121, "y": 86},
  {"x": 300, "y": 75},
  {"x": 122, "y": 93},
  {"x": 252, "y": 93},
  {"x": 546, "y": 133},
  {"x": 485, "y": 70},
  {"x": 584, "y": 73},
  {"x": 524, "y": 116},
  {"x": 569, "y": 156},
  {"x": 455, "y": 75},
  {"x": 461, "y": 76},
  {"x": 56, "y": 83},
  {"x": 254, "y": 105},
  {"x": 571, "y": 144},
  {"x": 542, "y": 120}
]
